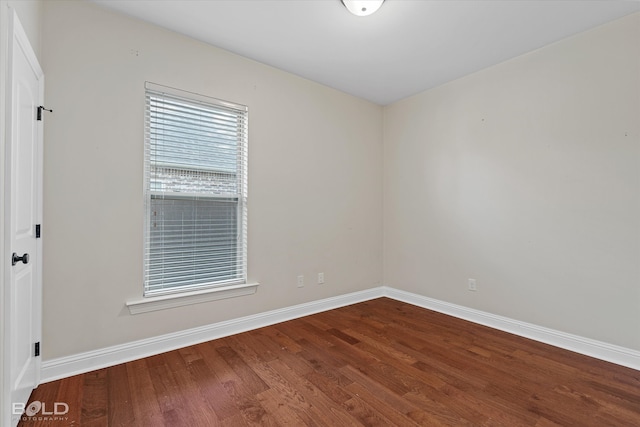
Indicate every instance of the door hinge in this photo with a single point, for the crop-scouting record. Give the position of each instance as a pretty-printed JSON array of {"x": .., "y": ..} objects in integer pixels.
[
  {"x": 40, "y": 108},
  {"x": 36, "y": 349},
  {"x": 37, "y": 231}
]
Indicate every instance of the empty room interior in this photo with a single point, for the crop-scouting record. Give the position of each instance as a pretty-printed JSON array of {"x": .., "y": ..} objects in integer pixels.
[{"x": 432, "y": 213}]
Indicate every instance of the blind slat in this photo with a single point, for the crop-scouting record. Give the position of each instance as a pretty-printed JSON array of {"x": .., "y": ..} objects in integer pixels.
[{"x": 196, "y": 181}]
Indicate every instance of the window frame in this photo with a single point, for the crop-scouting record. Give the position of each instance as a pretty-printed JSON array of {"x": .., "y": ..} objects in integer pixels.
[{"x": 241, "y": 111}]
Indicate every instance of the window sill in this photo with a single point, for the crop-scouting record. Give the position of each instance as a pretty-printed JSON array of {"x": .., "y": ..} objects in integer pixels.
[{"x": 188, "y": 298}]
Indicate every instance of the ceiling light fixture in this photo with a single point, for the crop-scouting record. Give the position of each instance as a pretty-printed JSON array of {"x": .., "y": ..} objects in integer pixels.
[{"x": 362, "y": 7}]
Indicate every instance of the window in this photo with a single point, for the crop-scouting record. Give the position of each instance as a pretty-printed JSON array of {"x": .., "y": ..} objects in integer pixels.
[{"x": 195, "y": 192}]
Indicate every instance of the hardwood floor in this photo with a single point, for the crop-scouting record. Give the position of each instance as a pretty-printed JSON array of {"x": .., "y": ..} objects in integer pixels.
[{"x": 377, "y": 363}]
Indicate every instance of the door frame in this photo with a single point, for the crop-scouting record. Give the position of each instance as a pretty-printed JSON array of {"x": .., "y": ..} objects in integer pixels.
[{"x": 13, "y": 32}]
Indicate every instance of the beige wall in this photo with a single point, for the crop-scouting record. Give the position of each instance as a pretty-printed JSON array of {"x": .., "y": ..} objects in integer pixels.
[
  {"x": 315, "y": 178},
  {"x": 526, "y": 177}
]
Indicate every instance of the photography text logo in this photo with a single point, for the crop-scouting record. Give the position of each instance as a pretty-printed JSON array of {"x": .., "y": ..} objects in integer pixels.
[{"x": 40, "y": 411}]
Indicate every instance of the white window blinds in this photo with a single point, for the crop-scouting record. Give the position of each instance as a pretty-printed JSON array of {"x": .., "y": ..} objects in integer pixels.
[{"x": 195, "y": 192}]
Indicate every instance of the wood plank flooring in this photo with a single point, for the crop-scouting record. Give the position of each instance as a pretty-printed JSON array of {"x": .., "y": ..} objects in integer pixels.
[{"x": 377, "y": 363}]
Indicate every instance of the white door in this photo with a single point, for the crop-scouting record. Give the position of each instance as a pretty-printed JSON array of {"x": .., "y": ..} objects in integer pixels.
[{"x": 23, "y": 197}]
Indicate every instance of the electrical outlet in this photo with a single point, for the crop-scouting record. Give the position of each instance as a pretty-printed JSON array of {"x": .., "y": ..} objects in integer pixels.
[
  {"x": 472, "y": 285},
  {"x": 320, "y": 278},
  {"x": 301, "y": 281}
]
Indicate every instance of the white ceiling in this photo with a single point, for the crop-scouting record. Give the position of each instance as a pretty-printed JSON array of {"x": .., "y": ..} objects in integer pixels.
[{"x": 406, "y": 47}]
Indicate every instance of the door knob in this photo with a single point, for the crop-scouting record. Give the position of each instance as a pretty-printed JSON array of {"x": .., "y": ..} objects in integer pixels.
[{"x": 16, "y": 259}]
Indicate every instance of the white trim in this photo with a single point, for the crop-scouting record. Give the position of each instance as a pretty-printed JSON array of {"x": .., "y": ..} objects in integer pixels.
[
  {"x": 84, "y": 362},
  {"x": 188, "y": 298},
  {"x": 5, "y": 370},
  {"x": 589, "y": 347},
  {"x": 97, "y": 359}
]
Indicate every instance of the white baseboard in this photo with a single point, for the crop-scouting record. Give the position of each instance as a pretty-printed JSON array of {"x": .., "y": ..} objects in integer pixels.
[
  {"x": 589, "y": 347},
  {"x": 84, "y": 362},
  {"x": 97, "y": 359}
]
